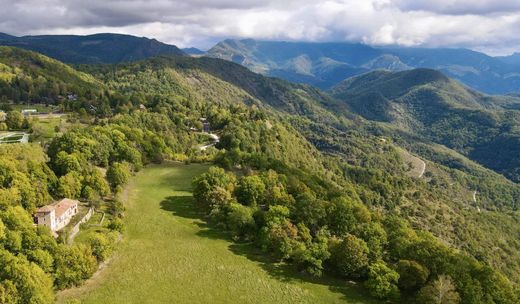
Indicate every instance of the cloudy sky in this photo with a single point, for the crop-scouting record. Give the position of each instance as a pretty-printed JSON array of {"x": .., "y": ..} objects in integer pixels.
[{"x": 492, "y": 26}]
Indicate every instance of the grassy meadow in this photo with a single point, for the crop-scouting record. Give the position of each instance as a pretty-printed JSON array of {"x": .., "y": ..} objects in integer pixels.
[
  {"x": 169, "y": 255},
  {"x": 45, "y": 129}
]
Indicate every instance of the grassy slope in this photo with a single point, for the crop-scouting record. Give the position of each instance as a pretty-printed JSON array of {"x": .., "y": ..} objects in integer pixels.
[{"x": 168, "y": 255}]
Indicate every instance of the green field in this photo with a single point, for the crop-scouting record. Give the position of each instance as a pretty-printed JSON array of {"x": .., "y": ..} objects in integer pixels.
[
  {"x": 45, "y": 129},
  {"x": 168, "y": 255}
]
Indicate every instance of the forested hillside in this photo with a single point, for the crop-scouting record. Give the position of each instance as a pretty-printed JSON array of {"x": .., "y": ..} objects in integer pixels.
[
  {"x": 330, "y": 194},
  {"x": 344, "y": 140},
  {"x": 348, "y": 141},
  {"x": 30, "y": 77},
  {"x": 429, "y": 105},
  {"x": 98, "y": 48}
]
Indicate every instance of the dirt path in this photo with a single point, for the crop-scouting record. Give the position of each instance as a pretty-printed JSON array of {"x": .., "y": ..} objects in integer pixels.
[{"x": 49, "y": 115}]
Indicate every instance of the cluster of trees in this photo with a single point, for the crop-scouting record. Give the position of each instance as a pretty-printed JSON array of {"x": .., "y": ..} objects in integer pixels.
[
  {"x": 321, "y": 228},
  {"x": 25, "y": 178},
  {"x": 77, "y": 156},
  {"x": 14, "y": 120},
  {"x": 33, "y": 262},
  {"x": 90, "y": 163}
]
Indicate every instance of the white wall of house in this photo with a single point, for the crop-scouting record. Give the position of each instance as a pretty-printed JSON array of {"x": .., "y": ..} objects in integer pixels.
[
  {"x": 47, "y": 219},
  {"x": 65, "y": 218},
  {"x": 50, "y": 220}
]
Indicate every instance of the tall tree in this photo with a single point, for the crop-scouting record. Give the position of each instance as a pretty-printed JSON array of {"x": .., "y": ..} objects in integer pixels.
[
  {"x": 440, "y": 291},
  {"x": 349, "y": 256},
  {"x": 14, "y": 120}
]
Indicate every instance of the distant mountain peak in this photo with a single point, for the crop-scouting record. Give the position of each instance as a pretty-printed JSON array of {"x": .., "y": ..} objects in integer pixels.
[{"x": 387, "y": 62}]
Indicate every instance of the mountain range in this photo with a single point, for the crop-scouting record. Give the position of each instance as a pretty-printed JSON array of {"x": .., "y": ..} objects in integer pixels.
[
  {"x": 378, "y": 84},
  {"x": 91, "y": 49},
  {"x": 323, "y": 65},
  {"x": 326, "y": 64}
]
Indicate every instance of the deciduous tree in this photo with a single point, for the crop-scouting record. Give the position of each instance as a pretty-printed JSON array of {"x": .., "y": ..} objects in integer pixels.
[{"x": 440, "y": 291}]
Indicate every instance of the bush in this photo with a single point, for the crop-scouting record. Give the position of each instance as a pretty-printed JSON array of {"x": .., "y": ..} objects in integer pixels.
[
  {"x": 116, "y": 224},
  {"x": 250, "y": 189},
  {"x": 118, "y": 174},
  {"x": 442, "y": 290},
  {"x": 101, "y": 245},
  {"x": 116, "y": 208},
  {"x": 73, "y": 265}
]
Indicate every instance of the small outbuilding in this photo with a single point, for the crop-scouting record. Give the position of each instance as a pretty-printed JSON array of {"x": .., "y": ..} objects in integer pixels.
[{"x": 28, "y": 112}]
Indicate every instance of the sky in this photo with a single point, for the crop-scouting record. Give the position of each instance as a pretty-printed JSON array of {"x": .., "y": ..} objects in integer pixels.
[{"x": 490, "y": 26}]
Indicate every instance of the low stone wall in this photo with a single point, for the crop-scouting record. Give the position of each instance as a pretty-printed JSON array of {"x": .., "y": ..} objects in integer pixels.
[{"x": 74, "y": 230}]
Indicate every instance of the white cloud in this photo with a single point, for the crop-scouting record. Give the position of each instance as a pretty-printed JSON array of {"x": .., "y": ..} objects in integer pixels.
[{"x": 486, "y": 25}]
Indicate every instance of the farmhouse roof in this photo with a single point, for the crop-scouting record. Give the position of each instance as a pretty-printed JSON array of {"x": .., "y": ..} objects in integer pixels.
[
  {"x": 59, "y": 207},
  {"x": 64, "y": 205},
  {"x": 46, "y": 209}
]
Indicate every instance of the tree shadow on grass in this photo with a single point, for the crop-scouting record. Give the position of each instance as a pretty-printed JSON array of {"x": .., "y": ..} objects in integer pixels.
[
  {"x": 182, "y": 206},
  {"x": 289, "y": 274}
]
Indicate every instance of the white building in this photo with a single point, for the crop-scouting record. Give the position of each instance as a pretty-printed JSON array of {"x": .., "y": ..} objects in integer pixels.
[
  {"x": 57, "y": 215},
  {"x": 27, "y": 112}
]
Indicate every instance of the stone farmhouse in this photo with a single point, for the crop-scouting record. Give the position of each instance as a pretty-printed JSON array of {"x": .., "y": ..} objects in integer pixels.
[{"x": 57, "y": 215}]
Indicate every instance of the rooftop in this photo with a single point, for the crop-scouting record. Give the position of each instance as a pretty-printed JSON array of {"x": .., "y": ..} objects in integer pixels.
[{"x": 59, "y": 207}]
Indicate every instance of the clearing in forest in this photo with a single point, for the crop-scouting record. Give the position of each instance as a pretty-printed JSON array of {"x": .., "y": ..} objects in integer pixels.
[{"x": 169, "y": 255}]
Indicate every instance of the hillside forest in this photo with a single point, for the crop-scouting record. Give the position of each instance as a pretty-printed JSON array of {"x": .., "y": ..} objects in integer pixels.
[{"x": 320, "y": 181}]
